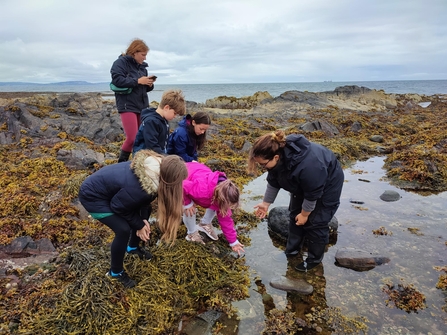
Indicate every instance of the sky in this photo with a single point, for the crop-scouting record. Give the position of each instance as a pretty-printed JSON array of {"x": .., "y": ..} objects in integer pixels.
[{"x": 225, "y": 41}]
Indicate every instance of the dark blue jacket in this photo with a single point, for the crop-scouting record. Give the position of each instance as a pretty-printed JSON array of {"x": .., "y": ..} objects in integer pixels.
[
  {"x": 153, "y": 132},
  {"x": 125, "y": 72},
  {"x": 180, "y": 143},
  {"x": 120, "y": 190},
  {"x": 309, "y": 171}
]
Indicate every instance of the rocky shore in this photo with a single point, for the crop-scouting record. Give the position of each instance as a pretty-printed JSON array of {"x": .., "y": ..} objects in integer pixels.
[{"x": 50, "y": 142}]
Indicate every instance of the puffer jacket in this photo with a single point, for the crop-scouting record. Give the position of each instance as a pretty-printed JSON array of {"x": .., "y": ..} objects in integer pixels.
[
  {"x": 125, "y": 72},
  {"x": 308, "y": 170},
  {"x": 125, "y": 189},
  {"x": 153, "y": 132},
  {"x": 180, "y": 143},
  {"x": 199, "y": 188}
]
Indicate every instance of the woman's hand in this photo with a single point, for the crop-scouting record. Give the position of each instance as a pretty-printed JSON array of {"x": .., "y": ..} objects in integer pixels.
[
  {"x": 301, "y": 219},
  {"x": 144, "y": 233},
  {"x": 146, "y": 81},
  {"x": 238, "y": 248},
  {"x": 261, "y": 209}
]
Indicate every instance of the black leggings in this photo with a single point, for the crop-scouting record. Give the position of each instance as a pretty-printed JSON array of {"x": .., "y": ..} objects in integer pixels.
[{"x": 124, "y": 235}]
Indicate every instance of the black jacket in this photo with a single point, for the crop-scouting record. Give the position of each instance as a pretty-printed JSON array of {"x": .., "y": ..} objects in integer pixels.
[
  {"x": 125, "y": 72},
  {"x": 153, "y": 133},
  {"x": 123, "y": 191},
  {"x": 309, "y": 171}
]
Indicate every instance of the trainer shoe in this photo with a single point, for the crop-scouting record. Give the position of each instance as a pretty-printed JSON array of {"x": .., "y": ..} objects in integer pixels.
[
  {"x": 195, "y": 237},
  {"x": 123, "y": 278},
  {"x": 141, "y": 252},
  {"x": 304, "y": 266},
  {"x": 208, "y": 230}
]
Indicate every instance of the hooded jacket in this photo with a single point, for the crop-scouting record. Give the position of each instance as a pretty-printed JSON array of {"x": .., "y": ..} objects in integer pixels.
[
  {"x": 123, "y": 189},
  {"x": 180, "y": 142},
  {"x": 153, "y": 132},
  {"x": 307, "y": 170},
  {"x": 125, "y": 72},
  {"x": 199, "y": 188}
]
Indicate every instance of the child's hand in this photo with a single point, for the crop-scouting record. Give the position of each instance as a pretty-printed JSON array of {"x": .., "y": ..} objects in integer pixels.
[
  {"x": 238, "y": 248},
  {"x": 190, "y": 211}
]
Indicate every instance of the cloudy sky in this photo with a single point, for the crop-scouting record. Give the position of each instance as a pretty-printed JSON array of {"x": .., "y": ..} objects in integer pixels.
[{"x": 226, "y": 41}]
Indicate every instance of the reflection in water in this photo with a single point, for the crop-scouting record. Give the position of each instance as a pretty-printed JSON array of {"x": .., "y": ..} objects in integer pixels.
[{"x": 358, "y": 294}]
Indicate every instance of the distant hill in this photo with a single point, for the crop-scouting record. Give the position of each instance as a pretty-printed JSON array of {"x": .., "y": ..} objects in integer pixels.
[{"x": 18, "y": 83}]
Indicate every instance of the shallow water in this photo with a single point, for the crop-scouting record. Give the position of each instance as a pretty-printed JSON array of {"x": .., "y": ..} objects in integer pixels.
[{"x": 358, "y": 293}]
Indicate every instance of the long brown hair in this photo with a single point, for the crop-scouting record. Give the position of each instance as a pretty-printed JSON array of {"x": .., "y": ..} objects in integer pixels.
[
  {"x": 198, "y": 118},
  {"x": 226, "y": 194},
  {"x": 170, "y": 196},
  {"x": 266, "y": 147}
]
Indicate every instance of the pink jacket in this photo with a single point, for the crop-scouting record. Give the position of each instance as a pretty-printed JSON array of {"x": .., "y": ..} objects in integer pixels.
[{"x": 199, "y": 187}]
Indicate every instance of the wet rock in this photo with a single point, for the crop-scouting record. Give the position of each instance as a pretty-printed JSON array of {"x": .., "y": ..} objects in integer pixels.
[
  {"x": 278, "y": 223},
  {"x": 359, "y": 260},
  {"x": 202, "y": 324},
  {"x": 390, "y": 196},
  {"x": 294, "y": 285}
]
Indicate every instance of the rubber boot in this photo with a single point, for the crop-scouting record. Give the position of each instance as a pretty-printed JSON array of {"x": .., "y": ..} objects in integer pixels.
[
  {"x": 124, "y": 156},
  {"x": 315, "y": 256},
  {"x": 294, "y": 244},
  {"x": 315, "y": 252}
]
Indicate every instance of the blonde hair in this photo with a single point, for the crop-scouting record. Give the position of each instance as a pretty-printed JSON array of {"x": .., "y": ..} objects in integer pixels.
[
  {"x": 175, "y": 100},
  {"x": 266, "y": 147},
  {"x": 225, "y": 195},
  {"x": 170, "y": 196}
]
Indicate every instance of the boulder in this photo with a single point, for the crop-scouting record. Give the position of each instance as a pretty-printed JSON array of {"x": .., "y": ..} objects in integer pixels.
[
  {"x": 292, "y": 285},
  {"x": 359, "y": 260}
]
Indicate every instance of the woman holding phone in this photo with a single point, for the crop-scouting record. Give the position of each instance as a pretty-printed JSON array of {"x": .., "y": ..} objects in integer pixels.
[{"x": 129, "y": 71}]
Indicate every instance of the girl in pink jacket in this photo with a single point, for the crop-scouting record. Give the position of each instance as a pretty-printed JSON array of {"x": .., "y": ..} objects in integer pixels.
[{"x": 218, "y": 195}]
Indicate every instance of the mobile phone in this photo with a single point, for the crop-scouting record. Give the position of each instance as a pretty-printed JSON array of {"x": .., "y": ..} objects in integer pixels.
[{"x": 152, "y": 77}]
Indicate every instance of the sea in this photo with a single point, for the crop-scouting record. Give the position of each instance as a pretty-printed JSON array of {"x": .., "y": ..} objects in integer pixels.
[{"x": 201, "y": 92}]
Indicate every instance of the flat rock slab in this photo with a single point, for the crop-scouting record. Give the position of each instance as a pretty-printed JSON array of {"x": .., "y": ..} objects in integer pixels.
[
  {"x": 292, "y": 285},
  {"x": 359, "y": 260}
]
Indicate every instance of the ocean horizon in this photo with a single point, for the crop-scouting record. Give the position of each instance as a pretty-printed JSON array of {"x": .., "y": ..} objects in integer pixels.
[{"x": 201, "y": 92}]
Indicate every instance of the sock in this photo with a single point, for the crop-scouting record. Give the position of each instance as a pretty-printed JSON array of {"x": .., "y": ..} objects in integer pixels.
[
  {"x": 129, "y": 248},
  {"x": 113, "y": 274}
]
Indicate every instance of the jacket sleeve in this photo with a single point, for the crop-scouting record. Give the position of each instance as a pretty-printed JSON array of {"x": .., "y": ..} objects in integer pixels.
[
  {"x": 128, "y": 207},
  {"x": 150, "y": 135},
  {"x": 187, "y": 184},
  {"x": 227, "y": 225},
  {"x": 179, "y": 144},
  {"x": 120, "y": 74}
]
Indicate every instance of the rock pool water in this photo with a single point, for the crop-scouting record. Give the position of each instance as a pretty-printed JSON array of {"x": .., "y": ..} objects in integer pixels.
[{"x": 413, "y": 256}]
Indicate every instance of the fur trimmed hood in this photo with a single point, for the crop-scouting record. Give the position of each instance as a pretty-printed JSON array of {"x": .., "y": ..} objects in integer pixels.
[{"x": 146, "y": 166}]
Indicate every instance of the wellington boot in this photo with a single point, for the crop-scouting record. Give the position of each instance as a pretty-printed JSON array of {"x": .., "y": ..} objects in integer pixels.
[{"x": 124, "y": 156}]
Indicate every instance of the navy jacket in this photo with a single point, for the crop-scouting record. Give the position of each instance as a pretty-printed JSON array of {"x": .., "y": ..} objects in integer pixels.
[
  {"x": 153, "y": 132},
  {"x": 120, "y": 190},
  {"x": 309, "y": 171},
  {"x": 125, "y": 72},
  {"x": 180, "y": 143}
]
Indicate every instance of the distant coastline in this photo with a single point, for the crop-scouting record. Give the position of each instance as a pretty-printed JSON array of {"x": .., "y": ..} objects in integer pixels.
[{"x": 201, "y": 92}]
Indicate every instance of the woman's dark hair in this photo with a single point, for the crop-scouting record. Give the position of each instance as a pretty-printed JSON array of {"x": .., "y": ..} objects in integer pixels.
[{"x": 198, "y": 118}]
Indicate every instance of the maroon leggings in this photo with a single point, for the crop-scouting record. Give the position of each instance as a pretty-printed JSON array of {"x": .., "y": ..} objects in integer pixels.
[{"x": 131, "y": 122}]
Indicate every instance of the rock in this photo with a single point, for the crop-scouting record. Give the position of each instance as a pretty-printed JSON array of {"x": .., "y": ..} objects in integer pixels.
[
  {"x": 292, "y": 285},
  {"x": 326, "y": 127},
  {"x": 359, "y": 260},
  {"x": 390, "y": 196},
  {"x": 202, "y": 324},
  {"x": 376, "y": 138},
  {"x": 278, "y": 223}
]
